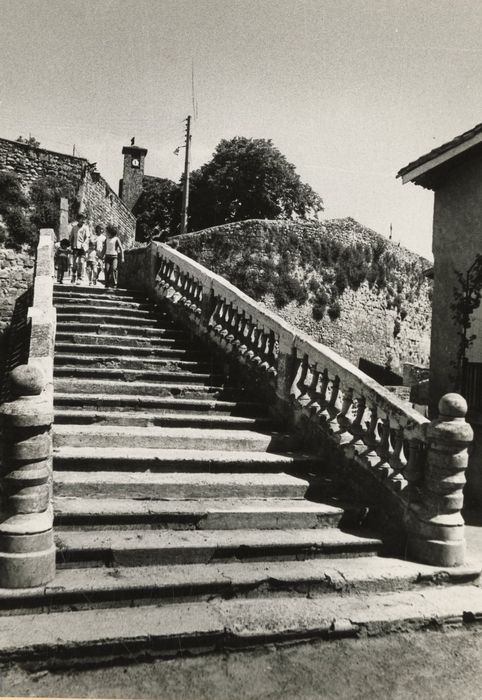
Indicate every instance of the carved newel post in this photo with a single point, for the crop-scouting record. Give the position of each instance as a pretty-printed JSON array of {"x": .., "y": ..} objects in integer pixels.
[
  {"x": 27, "y": 551},
  {"x": 435, "y": 523}
]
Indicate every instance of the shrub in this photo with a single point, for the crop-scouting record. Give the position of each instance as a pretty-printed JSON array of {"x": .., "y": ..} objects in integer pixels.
[
  {"x": 24, "y": 214},
  {"x": 334, "y": 311},
  {"x": 289, "y": 289}
]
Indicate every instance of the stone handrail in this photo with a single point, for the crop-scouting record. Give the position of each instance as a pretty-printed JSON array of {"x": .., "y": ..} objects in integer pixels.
[
  {"x": 27, "y": 551},
  {"x": 419, "y": 464}
]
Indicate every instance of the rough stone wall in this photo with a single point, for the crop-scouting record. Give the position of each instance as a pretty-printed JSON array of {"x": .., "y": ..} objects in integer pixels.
[
  {"x": 367, "y": 327},
  {"x": 93, "y": 192},
  {"x": 31, "y": 163},
  {"x": 102, "y": 205},
  {"x": 16, "y": 272}
]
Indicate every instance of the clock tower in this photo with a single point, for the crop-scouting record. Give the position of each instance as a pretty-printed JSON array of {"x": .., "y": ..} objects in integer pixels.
[{"x": 130, "y": 187}]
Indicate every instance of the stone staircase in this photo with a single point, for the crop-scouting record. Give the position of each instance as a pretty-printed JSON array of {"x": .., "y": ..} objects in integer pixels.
[
  {"x": 183, "y": 506},
  {"x": 160, "y": 462}
]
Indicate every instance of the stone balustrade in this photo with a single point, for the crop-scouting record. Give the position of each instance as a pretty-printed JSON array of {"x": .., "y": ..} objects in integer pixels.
[
  {"x": 27, "y": 551},
  {"x": 420, "y": 465}
]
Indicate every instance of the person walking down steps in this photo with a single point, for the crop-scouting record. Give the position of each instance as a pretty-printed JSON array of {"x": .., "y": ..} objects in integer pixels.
[
  {"x": 113, "y": 251},
  {"x": 62, "y": 260},
  {"x": 79, "y": 242}
]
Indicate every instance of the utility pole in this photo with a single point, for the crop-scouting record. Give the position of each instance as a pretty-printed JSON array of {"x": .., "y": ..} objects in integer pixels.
[{"x": 185, "y": 189}]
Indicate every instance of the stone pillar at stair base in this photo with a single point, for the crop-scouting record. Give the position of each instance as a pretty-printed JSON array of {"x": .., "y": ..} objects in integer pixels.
[
  {"x": 27, "y": 551},
  {"x": 64, "y": 219},
  {"x": 434, "y": 521}
]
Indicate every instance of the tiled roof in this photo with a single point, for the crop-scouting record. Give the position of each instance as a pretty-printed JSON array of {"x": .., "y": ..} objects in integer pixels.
[{"x": 457, "y": 141}]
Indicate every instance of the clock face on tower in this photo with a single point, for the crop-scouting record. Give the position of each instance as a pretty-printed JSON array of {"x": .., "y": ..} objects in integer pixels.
[{"x": 135, "y": 163}]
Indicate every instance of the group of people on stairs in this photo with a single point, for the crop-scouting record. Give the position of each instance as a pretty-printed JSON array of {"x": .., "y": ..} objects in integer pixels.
[{"x": 84, "y": 252}]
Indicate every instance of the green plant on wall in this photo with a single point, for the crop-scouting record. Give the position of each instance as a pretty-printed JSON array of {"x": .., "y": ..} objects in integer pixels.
[
  {"x": 466, "y": 299},
  {"x": 303, "y": 263},
  {"x": 23, "y": 212}
]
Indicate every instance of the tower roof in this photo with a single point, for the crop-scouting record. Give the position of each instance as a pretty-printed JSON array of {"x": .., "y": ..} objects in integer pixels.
[{"x": 134, "y": 151}]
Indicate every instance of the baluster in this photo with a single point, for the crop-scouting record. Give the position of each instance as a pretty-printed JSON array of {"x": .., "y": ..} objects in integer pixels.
[
  {"x": 414, "y": 469},
  {"x": 247, "y": 352},
  {"x": 357, "y": 447},
  {"x": 274, "y": 367},
  {"x": 301, "y": 386},
  {"x": 238, "y": 331},
  {"x": 384, "y": 449},
  {"x": 313, "y": 405},
  {"x": 323, "y": 396},
  {"x": 233, "y": 323},
  {"x": 252, "y": 338},
  {"x": 299, "y": 373},
  {"x": 371, "y": 439},
  {"x": 199, "y": 299},
  {"x": 213, "y": 323},
  {"x": 226, "y": 317},
  {"x": 246, "y": 330},
  {"x": 260, "y": 347},
  {"x": 397, "y": 460},
  {"x": 344, "y": 422}
]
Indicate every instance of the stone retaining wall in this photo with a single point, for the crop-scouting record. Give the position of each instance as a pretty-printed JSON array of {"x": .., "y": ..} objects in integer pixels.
[
  {"x": 370, "y": 325},
  {"x": 16, "y": 272}
]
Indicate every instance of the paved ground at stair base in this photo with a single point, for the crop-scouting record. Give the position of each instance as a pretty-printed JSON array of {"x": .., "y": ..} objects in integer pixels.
[{"x": 412, "y": 665}]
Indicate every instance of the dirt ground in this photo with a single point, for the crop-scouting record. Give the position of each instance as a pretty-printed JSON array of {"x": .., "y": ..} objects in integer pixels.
[{"x": 423, "y": 665}]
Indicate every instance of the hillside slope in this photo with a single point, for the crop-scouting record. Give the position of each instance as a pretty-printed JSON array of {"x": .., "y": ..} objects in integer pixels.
[{"x": 342, "y": 283}]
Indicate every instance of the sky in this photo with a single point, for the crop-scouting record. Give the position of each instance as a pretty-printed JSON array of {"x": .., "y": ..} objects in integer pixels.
[{"x": 349, "y": 90}]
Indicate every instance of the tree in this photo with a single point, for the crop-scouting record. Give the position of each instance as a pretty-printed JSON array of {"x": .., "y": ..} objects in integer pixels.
[
  {"x": 23, "y": 212},
  {"x": 156, "y": 208},
  {"x": 30, "y": 141},
  {"x": 14, "y": 212},
  {"x": 45, "y": 194},
  {"x": 249, "y": 179}
]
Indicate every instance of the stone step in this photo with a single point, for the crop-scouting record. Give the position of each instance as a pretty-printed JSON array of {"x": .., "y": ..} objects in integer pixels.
[
  {"x": 170, "y": 438},
  {"x": 66, "y": 300},
  {"x": 82, "y": 309},
  {"x": 119, "y": 361},
  {"x": 134, "y": 321},
  {"x": 171, "y": 341},
  {"x": 170, "y": 547},
  {"x": 85, "y": 635},
  {"x": 172, "y": 389},
  {"x": 176, "y": 485},
  {"x": 126, "y": 376},
  {"x": 102, "y": 587},
  {"x": 104, "y": 292},
  {"x": 79, "y": 328},
  {"x": 86, "y": 349},
  {"x": 205, "y": 514},
  {"x": 121, "y": 459},
  {"x": 146, "y": 419},
  {"x": 157, "y": 405}
]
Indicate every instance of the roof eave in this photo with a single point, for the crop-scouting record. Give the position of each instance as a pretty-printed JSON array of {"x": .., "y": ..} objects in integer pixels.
[{"x": 420, "y": 173}]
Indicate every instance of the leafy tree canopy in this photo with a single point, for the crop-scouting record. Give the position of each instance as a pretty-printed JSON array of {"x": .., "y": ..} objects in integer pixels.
[
  {"x": 249, "y": 179},
  {"x": 156, "y": 208},
  {"x": 23, "y": 212}
]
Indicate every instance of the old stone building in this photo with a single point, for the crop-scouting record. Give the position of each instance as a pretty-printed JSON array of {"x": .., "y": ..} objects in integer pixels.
[{"x": 454, "y": 172}]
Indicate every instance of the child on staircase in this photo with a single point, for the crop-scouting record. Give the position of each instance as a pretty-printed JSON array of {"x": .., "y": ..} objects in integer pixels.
[
  {"x": 62, "y": 259},
  {"x": 113, "y": 250},
  {"x": 92, "y": 263}
]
